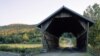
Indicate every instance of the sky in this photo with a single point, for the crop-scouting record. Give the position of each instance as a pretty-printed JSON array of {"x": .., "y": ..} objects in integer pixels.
[{"x": 34, "y": 11}]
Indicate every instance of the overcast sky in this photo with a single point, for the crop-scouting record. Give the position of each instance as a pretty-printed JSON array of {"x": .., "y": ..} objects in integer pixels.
[{"x": 34, "y": 11}]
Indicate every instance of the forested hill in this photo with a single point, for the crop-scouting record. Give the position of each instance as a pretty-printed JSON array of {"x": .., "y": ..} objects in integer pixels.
[
  {"x": 19, "y": 33},
  {"x": 17, "y": 25},
  {"x": 16, "y": 28}
]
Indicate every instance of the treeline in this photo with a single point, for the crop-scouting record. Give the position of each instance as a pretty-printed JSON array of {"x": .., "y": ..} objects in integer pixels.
[
  {"x": 93, "y": 12},
  {"x": 19, "y": 33}
]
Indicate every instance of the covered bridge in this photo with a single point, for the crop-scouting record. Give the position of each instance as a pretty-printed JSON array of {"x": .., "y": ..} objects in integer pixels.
[{"x": 65, "y": 20}]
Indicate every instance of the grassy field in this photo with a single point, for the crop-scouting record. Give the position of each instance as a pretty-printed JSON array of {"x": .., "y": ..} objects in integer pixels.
[
  {"x": 22, "y": 45},
  {"x": 27, "y": 45},
  {"x": 21, "y": 48}
]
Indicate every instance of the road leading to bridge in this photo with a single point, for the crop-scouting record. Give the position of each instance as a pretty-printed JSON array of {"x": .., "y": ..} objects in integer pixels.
[{"x": 63, "y": 54}]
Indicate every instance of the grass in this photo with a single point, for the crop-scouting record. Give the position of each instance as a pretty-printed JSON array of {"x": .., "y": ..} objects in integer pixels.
[
  {"x": 28, "y": 45},
  {"x": 22, "y": 45},
  {"x": 21, "y": 48}
]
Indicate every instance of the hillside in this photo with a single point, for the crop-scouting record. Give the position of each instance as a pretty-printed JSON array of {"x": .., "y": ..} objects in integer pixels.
[
  {"x": 19, "y": 33},
  {"x": 16, "y": 28}
]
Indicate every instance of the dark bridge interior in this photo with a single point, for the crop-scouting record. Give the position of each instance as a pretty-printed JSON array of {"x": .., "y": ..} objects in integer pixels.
[
  {"x": 67, "y": 24},
  {"x": 59, "y": 26}
]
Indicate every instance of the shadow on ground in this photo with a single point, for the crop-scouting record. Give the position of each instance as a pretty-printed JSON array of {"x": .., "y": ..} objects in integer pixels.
[{"x": 64, "y": 52}]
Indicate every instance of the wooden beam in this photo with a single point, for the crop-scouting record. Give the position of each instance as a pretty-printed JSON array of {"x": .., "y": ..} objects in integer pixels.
[
  {"x": 82, "y": 42},
  {"x": 81, "y": 34},
  {"x": 87, "y": 34},
  {"x": 51, "y": 42}
]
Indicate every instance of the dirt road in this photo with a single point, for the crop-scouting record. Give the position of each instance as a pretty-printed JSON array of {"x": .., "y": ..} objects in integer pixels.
[
  {"x": 8, "y": 54},
  {"x": 63, "y": 54},
  {"x": 46, "y": 54}
]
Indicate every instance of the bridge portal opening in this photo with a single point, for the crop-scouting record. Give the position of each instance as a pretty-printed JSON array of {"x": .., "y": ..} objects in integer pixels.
[{"x": 67, "y": 40}]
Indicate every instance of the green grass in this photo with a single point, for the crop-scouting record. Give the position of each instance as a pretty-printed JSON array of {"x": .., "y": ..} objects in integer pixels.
[
  {"x": 21, "y": 48},
  {"x": 22, "y": 45}
]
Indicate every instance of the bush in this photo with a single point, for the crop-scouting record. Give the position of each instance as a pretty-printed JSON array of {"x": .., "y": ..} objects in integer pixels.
[
  {"x": 95, "y": 51},
  {"x": 4, "y": 48}
]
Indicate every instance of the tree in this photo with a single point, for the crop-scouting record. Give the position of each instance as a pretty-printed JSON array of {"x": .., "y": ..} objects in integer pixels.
[
  {"x": 93, "y": 12},
  {"x": 25, "y": 37},
  {"x": 16, "y": 38}
]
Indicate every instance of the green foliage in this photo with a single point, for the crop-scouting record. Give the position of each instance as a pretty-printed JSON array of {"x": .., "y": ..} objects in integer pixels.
[
  {"x": 68, "y": 38},
  {"x": 25, "y": 37},
  {"x": 93, "y": 12}
]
